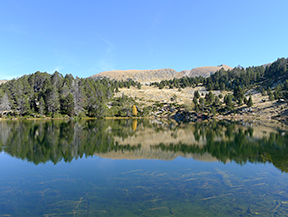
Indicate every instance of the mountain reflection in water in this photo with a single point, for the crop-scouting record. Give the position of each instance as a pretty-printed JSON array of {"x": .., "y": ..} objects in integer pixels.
[{"x": 43, "y": 141}]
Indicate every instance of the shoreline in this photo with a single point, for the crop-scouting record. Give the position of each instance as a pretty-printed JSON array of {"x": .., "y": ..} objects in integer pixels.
[
  {"x": 245, "y": 118},
  {"x": 76, "y": 118}
]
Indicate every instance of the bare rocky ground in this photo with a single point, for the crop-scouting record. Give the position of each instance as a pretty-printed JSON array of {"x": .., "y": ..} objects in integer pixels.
[
  {"x": 268, "y": 110},
  {"x": 265, "y": 110}
]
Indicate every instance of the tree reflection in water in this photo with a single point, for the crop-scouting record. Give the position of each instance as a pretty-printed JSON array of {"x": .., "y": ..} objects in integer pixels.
[{"x": 42, "y": 141}]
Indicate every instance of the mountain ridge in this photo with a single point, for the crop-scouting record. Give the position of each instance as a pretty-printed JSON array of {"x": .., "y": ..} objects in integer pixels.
[
  {"x": 3, "y": 81},
  {"x": 156, "y": 75},
  {"x": 206, "y": 71}
]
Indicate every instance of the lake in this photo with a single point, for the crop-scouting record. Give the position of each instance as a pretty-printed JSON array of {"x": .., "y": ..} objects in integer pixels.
[{"x": 143, "y": 168}]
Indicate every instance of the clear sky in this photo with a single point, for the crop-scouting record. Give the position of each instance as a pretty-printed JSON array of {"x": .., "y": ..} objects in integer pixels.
[{"x": 87, "y": 37}]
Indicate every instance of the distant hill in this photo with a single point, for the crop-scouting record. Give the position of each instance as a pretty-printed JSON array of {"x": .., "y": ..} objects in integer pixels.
[
  {"x": 267, "y": 64},
  {"x": 157, "y": 75},
  {"x": 3, "y": 81},
  {"x": 206, "y": 71},
  {"x": 141, "y": 76}
]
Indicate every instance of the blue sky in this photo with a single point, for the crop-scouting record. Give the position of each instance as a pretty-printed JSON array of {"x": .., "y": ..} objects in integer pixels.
[{"x": 87, "y": 37}]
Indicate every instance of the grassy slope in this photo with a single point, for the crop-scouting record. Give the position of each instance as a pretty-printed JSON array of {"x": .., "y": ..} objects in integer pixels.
[{"x": 261, "y": 110}]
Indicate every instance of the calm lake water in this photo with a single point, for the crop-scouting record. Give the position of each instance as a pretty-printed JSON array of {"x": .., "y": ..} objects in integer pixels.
[{"x": 142, "y": 168}]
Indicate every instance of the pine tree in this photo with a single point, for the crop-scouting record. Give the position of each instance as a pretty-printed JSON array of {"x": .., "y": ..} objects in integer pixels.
[
  {"x": 269, "y": 91},
  {"x": 78, "y": 96},
  {"x": 195, "y": 101},
  {"x": 197, "y": 108},
  {"x": 4, "y": 104},
  {"x": 228, "y": 101},
  {"x": 245, "y": 100},
  {"x": 286, "y": 85},
  {"x": 41, "y": 106},
  {"x": 263, "y": 92},
  {"x": 23, "y": 105},
  {"x": 216, "y": 101},
  {"x": 96, "y": 109},
  {"x": 52, "y": 100},
  {"x": 202, "y": 103},
  {"x": 238, "y": 93},
  {"x": 271, "y": 96},
  {"x": 240, "y": 102},
  {"x": 46, "y": 85},
  {"x": 276, "y": 94},
  {"x": 196, "y": 94},
  {"x": 70, "y": 104},
  {"x": 213, "y": 110},
  {"x": 67, "y": 105},
  {"x": 139, "y": 86},
  {"x": 250, "y": 102},
  {"x": 161, "y": 85},
  {"x": 209, "y": 97}
]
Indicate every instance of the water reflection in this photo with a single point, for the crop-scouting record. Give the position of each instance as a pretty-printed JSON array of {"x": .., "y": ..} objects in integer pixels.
[
  {"x": 42, "y": 141},
  {"x": 101, "y": 186}
]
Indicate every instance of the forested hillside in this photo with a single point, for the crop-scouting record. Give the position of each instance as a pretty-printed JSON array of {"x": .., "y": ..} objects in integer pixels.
[
  {"x": 55, "y": 95},
  {"x": 265, "y": 76},
  {"x": 42, "y": 94},
  {"x": 272, "y": 76}
]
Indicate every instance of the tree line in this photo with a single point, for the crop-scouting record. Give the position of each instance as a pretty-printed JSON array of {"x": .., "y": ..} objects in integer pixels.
[
  {"x": 54, "y": 95},
  {"x": 263, "y": 77},
  {"x": 179, "y": 83},
  {"x": 43, "y": 94}
]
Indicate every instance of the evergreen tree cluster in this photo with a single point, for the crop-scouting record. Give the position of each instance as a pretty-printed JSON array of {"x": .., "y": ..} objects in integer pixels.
[
  {"x": 52, "y": 95},
  {"x": 211, "y": 103},
  {"x": 44, "y": 94},
  {"x": 227, "y": 80},
  {"x": 179, "y": 83},
  {"x": 264, "y": 76}
]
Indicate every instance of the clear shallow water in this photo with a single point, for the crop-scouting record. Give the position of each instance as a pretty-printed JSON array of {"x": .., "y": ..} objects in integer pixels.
[{"x": 123, "y": 168}]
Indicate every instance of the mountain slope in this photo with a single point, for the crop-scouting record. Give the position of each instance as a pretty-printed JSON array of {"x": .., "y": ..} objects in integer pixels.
[
  {"x": 157, "y": 75},
  {"x": 141, "y": 76},
  {"x": 206, "y": 71},
  {"x": 3, "y": 81}
]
